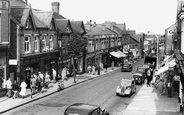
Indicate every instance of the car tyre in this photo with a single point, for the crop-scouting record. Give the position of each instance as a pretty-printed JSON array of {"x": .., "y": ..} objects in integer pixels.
[
  {"x": 130, "y": 94},
  {"x": 117, "y": 94}
]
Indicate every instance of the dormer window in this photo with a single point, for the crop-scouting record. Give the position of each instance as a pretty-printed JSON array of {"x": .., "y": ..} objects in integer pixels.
[
  {"x": 28, "y": 24},
  {"x": 68, "y": 30}
]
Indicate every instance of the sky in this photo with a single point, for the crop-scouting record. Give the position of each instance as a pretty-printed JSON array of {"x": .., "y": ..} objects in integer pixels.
[{"x": 138, "y": 15}]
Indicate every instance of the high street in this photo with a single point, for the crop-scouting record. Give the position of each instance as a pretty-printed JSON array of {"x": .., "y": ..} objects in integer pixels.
[{"x": 99, "y": 91}]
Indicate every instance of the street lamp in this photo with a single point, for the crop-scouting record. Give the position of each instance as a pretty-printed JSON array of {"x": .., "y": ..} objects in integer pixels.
[{"x": 157, "y": 48}]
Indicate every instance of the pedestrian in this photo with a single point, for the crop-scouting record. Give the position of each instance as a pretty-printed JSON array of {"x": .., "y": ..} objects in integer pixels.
[
  {"x": 89, "y": 69},
  {"x": 15, "y": 89},
  {"x": 105, "y": 66},
  {"x": 33, "y": 85},
  {"x": 112, "y": 65},
  {"x": 54, "y": 74},
  {"x": 101, "y": 65},
  {"x": 38, "y": 82},
  {"x": 161, "y": 86},
  {"x": 9, "y": 88},
  {"x": 64, "y": 72},
  {"x": 169, "y": 88},
  {"x": 42, "y": 77},
  {"x": 93, "y": 69},
  {"x": 47, "y": 80},
  {"x": 148, "y": 77},
  {"x": 23, "y": 86}
]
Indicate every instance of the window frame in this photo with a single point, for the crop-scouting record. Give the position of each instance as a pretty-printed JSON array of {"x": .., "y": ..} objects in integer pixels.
[
  {"x": 27, "y": 49},
  {"x": 36, "y": 41}
]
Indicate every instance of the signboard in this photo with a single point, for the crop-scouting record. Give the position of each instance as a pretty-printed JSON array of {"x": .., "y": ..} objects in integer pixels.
[
  {"x": 4, "y": 4},
  {"x": 12, "y": 62}
]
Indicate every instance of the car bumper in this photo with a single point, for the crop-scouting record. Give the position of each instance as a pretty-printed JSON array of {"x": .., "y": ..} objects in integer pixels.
[
  {"x": 125, "y": 92},
  {"x": 126, "y": 69}
]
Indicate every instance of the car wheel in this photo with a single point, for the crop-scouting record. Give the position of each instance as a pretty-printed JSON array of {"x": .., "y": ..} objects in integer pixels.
[
  {"x": 130, "y": 94},
  {"x": 117, "y": 94}
]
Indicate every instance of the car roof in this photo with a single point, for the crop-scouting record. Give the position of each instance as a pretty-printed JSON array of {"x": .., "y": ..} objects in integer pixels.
[{"x": 81, "y": 108}]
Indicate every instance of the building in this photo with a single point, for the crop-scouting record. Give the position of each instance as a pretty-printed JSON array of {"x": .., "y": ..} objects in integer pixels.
[{"x": 4, "y": 41}]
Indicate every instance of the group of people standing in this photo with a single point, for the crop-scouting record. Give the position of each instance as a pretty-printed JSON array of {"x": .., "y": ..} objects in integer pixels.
[
  {"x": 95, "y": 69},
  {"x": 37, "y": 82},
  {"x": 164, "y": 84}
]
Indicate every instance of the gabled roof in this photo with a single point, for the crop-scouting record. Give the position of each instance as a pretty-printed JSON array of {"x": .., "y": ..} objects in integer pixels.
[
  {"x": 38, "y": 23},
  {"x": 18, "y": 3},
  {"x": 58, "y": 16},
  {"x": 62, "y": 24},
  {"x": 77, "y": 25},
  {"x": 121, "y": 26},
  {"x": 134, "y": 39},
  {"x": 44, "y": 16},
  {"x": 94, "y": 30},
  {"x": 21, "y": 14}
]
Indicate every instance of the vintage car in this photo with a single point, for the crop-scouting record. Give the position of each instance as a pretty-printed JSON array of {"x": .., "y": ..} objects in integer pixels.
[
  {"x": 139, "y": 75},
  {"x": 84, "y": 109},
  {"x": 126, "y": 88},
  {"x": 126, "y": 67}
]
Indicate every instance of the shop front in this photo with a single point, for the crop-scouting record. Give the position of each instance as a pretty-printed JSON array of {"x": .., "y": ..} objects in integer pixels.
[
  {"x": 43, "y": 62},
  {"x": 105, "y": 57},
  {"x": 90, "y": 59},
  {"x": 3, "y": 70}
]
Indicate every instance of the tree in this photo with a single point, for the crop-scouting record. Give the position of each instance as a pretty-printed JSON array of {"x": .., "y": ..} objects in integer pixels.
[{"x": 75, "y": 45}]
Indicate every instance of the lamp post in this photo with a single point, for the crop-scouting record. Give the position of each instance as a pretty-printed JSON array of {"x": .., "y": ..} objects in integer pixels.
[{"x": 157, "y": 48}]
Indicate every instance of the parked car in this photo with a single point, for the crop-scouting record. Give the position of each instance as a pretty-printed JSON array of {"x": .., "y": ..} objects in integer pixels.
[
  {"x": 126, "y": 88},
  {"x": 127, "y": 67},
  {"x": 84, "y": 109},
  {"x": 139, "y": 75}
]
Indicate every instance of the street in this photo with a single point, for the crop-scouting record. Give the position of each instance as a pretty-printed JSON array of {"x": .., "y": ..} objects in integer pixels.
[{"x": 99, "y": 91}]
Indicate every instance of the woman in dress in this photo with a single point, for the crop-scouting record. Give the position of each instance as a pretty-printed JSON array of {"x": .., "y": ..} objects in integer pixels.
[{"x": 23, "y": 86}]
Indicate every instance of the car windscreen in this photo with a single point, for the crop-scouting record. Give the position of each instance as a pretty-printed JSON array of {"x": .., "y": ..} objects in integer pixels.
[
  {"x": 140, "y": 69},
  {"x": 137, "y": 74},
  {"x": 126, "y": 82}
]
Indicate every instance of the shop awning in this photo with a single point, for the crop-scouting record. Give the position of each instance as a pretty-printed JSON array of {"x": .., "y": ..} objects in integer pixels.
[
  {"x": 116, "y": 54},
  {"x": 121, "y": 53},
  {"x": 172, "y": 63}
]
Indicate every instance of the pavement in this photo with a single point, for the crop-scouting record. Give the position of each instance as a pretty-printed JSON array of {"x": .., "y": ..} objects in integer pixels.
[{"x": 147, "y": 100}]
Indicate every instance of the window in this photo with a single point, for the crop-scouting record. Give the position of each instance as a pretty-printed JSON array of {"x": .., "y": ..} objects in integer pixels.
[
  {"x": 60, "y": 43},
  {"x": 27, "y": 44},
  {"x": 44, "y": 43},
  {"x": 51, "y": 42},
  {"x": 36, "y": 44}
]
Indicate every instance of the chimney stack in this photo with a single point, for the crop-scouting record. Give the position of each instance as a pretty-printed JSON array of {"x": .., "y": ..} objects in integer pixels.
[{"x": 55, "y": 7}]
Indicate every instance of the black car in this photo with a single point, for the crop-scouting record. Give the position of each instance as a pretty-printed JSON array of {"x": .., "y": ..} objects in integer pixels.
[
  {"x": 84, "y": 109},
  {"x": 126, "y": 67},
  {"x": 139, "y": 75}
]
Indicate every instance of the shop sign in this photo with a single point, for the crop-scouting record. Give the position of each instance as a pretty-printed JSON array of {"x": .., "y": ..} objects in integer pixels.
[
  {"x": 99, "y": 52},
  {"x": 33, "y": 60},
  {"x": 171, "y": 68},
  {"x": 106, "y": 51},
  {"x": 65, "y": 61},
  {"x": 90, "y": 55},
  {"x": 4, "y": 4}
]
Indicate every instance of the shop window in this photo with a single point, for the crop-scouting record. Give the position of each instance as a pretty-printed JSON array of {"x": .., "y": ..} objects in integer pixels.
[
  {"x": 1, "y": 77},
  {"x": 27, "y": 44}
]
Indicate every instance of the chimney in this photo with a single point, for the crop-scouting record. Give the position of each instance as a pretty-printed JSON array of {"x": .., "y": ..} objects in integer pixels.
[
  {"x": 25, "y": 1},
  {"x": 55, "y": 7}
]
